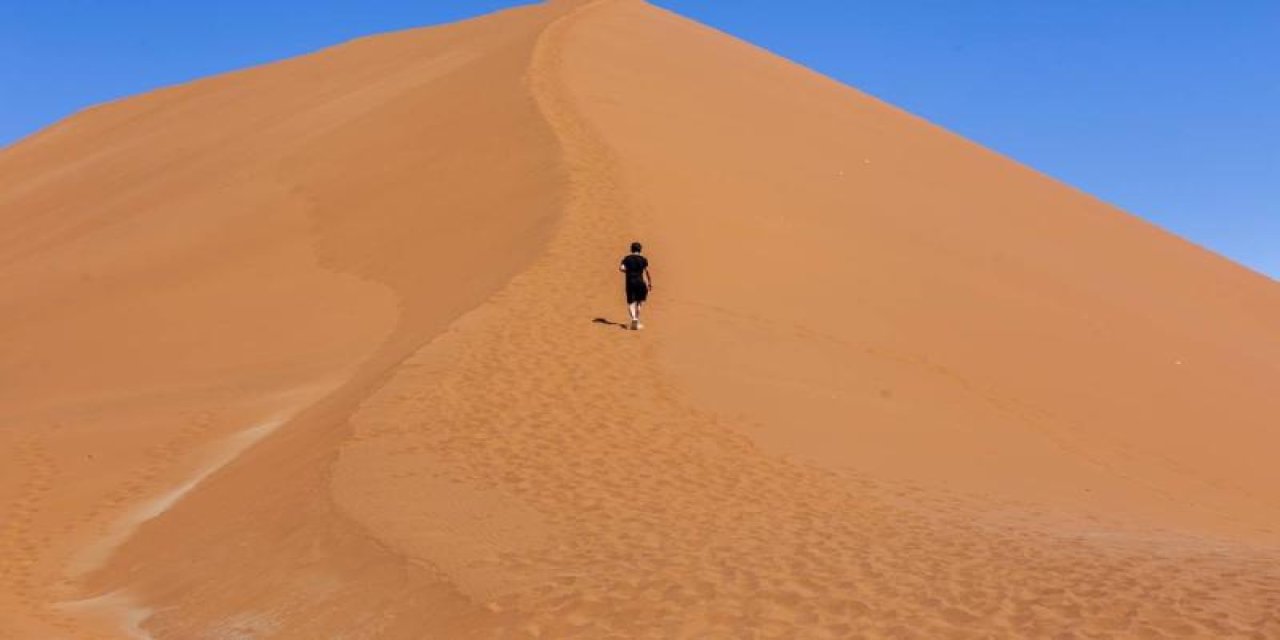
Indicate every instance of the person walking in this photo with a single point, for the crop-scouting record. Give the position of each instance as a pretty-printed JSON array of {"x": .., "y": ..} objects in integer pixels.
[{"x": 638, "y": 282}]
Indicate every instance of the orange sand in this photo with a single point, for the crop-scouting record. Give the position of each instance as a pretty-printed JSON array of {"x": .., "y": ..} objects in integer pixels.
[{"x": 308, "y": 351}]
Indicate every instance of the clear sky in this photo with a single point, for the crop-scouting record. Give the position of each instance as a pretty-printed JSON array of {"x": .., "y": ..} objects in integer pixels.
[{"x": 1169, "y": 109}]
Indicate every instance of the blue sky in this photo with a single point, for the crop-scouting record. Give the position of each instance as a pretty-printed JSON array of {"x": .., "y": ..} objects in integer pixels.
[{"x": 1169, "y": 109}]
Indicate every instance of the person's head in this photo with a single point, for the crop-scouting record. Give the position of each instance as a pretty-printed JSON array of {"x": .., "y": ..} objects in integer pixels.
[{"x": 635, "y": 247}]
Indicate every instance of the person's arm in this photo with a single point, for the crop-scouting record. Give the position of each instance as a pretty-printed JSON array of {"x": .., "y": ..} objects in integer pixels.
[{"x": 648, "y": 279}]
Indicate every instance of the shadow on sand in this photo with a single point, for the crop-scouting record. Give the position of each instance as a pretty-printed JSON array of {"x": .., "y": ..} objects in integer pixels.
[{"x": 611, "y": 323}]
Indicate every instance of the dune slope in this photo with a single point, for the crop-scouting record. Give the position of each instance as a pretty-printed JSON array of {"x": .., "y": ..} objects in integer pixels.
[
  {"x": 253, "y": 249},
  {"x": 325, "y": 349},
  {"x": 870, "y": 291}
]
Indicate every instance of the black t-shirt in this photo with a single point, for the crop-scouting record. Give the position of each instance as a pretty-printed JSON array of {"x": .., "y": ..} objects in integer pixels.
[{"x": 635, "y": 265}]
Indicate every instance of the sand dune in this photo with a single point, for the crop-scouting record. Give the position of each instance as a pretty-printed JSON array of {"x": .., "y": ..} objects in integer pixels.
[{"x": 893, "y": 385}]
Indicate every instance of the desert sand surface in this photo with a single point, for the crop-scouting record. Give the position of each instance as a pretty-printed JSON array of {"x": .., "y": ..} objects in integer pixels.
[{"x": 328, "y": 348}]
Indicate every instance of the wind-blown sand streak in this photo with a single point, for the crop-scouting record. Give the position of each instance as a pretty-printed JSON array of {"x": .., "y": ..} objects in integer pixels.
[
  {"x": 116, "y": 610},
  {"x": 93, "y": 557},
  {"x": 119, "y": 607}
]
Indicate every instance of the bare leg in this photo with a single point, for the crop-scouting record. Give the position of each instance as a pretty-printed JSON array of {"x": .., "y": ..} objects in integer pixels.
[{"x": 634, "y": 309}]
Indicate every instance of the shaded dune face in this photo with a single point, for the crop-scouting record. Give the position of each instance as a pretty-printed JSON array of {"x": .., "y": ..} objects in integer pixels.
[
  {"x": 253, "y": 249},
  {"x": 308, "y": 351}
]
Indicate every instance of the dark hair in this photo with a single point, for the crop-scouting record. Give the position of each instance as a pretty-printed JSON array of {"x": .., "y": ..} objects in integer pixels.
[{"x": 635, "y": 247}]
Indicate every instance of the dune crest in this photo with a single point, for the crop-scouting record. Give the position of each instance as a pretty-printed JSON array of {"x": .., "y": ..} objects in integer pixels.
[{"x": 882, "y": 392}]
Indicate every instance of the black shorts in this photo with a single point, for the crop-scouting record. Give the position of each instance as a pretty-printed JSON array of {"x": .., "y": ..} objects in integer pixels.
[{"x": 637, "y": 292}]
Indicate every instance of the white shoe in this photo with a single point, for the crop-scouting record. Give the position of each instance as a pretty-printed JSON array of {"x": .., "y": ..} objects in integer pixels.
[{"x": 639, "y": 325}]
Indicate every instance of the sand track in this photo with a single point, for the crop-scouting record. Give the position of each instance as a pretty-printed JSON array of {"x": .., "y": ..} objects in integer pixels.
[{"x": 645, "y": 517}]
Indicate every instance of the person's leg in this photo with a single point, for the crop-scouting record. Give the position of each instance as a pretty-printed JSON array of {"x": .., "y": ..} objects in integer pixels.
[
  {"x": 639, "y": 306},
  {"x": 633, "y": 308}
]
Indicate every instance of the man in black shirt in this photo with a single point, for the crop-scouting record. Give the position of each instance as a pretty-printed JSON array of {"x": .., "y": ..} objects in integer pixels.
[{"x": 638, "y": 283}]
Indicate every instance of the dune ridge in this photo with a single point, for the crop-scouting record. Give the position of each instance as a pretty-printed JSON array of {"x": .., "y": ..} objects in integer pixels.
[{"x": 498, "y": 464}]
